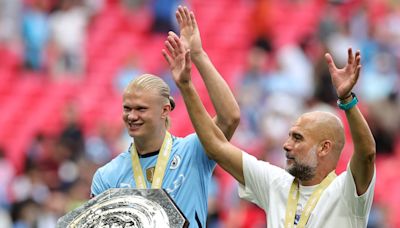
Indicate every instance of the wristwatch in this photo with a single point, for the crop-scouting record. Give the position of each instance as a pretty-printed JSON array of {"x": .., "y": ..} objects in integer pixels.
[{"x": 347, "y": 106}]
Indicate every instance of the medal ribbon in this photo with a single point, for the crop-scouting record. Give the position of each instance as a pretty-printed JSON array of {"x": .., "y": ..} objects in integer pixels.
[
  {"x": 162, "y": 161},
  {"x": 293, "y": 198}
]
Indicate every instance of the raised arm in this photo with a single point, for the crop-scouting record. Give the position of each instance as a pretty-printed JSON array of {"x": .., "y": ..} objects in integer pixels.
[
  {"x": 214, "y": 141},
  {"x": 363, "y": 160},
  {"x": 227, "y": 110}
]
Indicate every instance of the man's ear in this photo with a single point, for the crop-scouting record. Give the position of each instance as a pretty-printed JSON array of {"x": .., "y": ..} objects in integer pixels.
[
  {"x": 166, "y": 110},
  {"x": 324, "y": 148}
]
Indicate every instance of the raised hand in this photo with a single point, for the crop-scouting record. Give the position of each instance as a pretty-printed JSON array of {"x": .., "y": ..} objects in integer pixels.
[
  {"x": 178, "y": 59},
  {"x": 345, "y": 78},
  {"x": 189, "y": 31}
]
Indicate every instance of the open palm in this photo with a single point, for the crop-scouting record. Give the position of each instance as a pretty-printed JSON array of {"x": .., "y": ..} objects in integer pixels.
[
  {"x": 189, "y": 32},
  {"x": 178, "y": 59},
  {"x": 345, "y": 78}
]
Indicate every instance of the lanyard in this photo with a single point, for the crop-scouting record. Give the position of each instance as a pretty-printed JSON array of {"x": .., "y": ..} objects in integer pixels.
[
  {"x": 162, "y": 161},
  {"x": 293, "y": 198}
]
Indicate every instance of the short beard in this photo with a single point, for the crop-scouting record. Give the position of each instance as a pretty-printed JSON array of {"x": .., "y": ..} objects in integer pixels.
[{"x": 302, "y": 172}]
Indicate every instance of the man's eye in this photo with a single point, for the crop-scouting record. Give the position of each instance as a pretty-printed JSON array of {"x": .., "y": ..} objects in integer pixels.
[{"x": 297, "y": 137}]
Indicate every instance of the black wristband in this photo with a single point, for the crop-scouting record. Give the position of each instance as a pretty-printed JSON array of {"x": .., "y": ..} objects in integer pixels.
[{"x": 351, "y": 94}]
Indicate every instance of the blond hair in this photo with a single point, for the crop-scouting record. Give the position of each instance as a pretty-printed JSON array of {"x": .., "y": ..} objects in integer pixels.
[{"x": 154, "y": 83}]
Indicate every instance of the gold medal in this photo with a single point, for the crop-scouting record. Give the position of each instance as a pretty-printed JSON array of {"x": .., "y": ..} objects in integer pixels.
[{"x": 150, "y": 173}]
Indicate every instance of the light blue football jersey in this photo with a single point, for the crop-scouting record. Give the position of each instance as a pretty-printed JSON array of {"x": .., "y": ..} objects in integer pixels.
[{"x": 186, "y": 178}]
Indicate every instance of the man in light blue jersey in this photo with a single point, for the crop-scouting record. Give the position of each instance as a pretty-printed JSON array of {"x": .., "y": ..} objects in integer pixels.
[{"x": 157, "y": 159}]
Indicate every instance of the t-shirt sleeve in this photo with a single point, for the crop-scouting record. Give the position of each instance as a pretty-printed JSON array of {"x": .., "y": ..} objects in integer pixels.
[
  {"x": 358, "y": 205},
  {"x": 258, "y": 178},
  {"x": 98, "y": 185}
]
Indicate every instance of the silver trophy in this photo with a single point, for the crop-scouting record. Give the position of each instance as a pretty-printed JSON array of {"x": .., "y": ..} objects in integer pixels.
[{"x": 126, "y": 207}]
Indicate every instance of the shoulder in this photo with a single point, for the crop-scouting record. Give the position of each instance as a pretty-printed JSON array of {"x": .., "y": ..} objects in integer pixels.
[
  {"x": 189, "y": 138},
  {"x": 189, "y": 141},
  {"x": 346, "y": 180},
  {"x": 259, "y": 170},
  {"x": 264, "y": 182},
  {"x": 115, "y": 164},
  {"x": 191, "y": 148},
  {"x": 108, "y": 175},
  {"x": 251, "y": 162}
]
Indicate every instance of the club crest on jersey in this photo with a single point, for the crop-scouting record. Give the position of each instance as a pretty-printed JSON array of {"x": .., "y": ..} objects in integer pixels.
[
  {"x": 176, "y": 161},
  {"x": 149, "y": 174}
]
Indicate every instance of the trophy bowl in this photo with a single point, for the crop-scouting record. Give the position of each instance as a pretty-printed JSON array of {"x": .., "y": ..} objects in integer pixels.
[{"x": 126, "y": 207}]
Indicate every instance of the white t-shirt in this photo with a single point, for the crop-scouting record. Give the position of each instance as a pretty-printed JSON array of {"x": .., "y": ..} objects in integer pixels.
[{"x": 339, "y": 206}]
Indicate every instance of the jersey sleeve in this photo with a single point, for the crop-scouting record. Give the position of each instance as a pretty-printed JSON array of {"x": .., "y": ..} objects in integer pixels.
[
  {"x": 200, "y": 155},
  {"x": 98, "y": 186},
  {"x": 358, "y": 205}
]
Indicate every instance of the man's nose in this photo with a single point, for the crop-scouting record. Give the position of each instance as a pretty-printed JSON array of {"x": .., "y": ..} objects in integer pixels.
[
  {"x": 132, "y": 115},
  {"x": 286, "y": 146}
]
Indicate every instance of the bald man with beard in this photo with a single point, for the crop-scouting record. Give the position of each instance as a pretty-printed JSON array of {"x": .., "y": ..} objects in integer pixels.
[
  {"x": 308, "y": 129},
  {"x": 308, "y": 193}
]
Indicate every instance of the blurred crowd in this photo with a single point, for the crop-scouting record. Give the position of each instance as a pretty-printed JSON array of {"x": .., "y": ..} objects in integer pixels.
[{"x": 281, "y": 73}]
